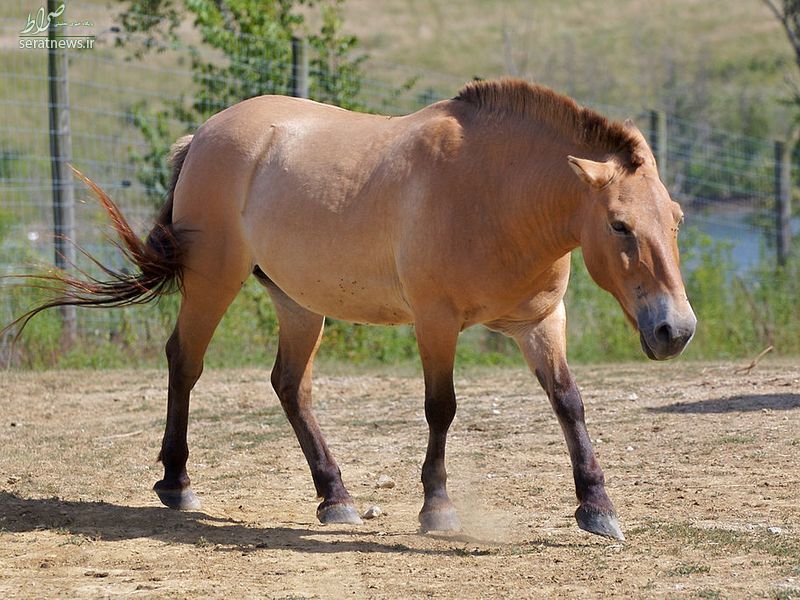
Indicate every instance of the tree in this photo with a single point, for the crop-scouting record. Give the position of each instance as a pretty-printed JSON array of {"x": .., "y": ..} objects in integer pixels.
[{"x": 788, "y": 13}]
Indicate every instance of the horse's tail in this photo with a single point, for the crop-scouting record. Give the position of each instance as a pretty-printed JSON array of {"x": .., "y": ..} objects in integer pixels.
[{"x": 158, "y": 259}]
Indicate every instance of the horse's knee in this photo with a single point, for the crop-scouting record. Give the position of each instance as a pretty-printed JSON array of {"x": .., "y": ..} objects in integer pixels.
[
  {"x": 440, "y": 409},
  {"x": 293, "y": 392},
  {"x": 567, "y": 402}
]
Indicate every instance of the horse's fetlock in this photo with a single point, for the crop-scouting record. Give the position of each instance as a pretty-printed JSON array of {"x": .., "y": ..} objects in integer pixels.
[{"x": 434, "y": 474}]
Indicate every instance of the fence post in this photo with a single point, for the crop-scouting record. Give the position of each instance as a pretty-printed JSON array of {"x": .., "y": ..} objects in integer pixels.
[
  {"x": 658, "y": 139},
  {"x": 60, "y": 158},
  {"x": 783, "y": 200},
  {"x": 299, "y": 67}
]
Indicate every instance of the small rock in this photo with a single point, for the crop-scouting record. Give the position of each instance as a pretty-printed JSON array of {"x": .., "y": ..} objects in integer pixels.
[
  {"x": 775, "y": 530},
  {"x": 12, "y": 480},
  {"x": 14, "y": 424},
  {"x": 385, "y": 482},
  {"x": 633, "y": 396},
  {"x": 629, "y": 448},
  {"x": 372, "y": 512},
  {"x": 495, "y": 411}
]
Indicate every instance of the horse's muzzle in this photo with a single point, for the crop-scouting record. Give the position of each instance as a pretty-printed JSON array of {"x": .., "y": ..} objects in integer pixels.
[{"x": 663, "y": 331}]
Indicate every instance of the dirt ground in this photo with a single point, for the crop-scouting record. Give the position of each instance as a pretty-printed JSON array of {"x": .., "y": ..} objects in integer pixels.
[{"x": 700, "y": 462}]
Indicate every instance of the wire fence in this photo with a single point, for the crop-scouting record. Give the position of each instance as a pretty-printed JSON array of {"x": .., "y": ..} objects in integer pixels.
[{"x": 725, "y": 182}]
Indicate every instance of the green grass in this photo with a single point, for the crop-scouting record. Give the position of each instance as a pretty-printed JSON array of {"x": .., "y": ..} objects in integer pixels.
[
  {"x": 736, "y": 439},
  {"x": 688, "y": 569}
]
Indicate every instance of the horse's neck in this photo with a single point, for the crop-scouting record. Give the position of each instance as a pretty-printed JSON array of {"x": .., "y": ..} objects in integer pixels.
[{"x": 550, "y": 204}]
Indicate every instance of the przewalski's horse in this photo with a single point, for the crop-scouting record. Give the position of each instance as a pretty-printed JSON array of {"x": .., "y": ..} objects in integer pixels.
[{"x": 460, "y": 214}]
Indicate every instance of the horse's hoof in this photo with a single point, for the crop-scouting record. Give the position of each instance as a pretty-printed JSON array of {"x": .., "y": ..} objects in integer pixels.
[
  {"x": 339, "y": 514},
  {"x": 599, "y": 522},
  {"x": 443, "y": 519},
  {"x": 184, "y": 499}
]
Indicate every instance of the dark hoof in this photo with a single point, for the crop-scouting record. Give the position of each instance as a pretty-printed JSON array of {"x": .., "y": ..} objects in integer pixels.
[
  {"x": 184, "y": 499},
  {"x": 339, "y": 513},
  {"x": 599, "y": 522},
  {"x": 443, "y": 519}
]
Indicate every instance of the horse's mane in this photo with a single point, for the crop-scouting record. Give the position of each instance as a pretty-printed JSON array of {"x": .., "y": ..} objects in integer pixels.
[{"x": 585, "y": 126}]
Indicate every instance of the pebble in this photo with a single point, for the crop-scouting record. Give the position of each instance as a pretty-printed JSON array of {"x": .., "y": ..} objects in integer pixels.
[
  {"x": 372, "y": 512},
  {"x": 385, "y": 482},
  {"x": 629, "y": 448},
  {"x": 775, "y": 530},
  {"x": 633, "y": 396}
]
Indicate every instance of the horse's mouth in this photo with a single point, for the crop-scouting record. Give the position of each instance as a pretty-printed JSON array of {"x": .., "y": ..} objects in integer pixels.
[{"x": 646, "y": 347}]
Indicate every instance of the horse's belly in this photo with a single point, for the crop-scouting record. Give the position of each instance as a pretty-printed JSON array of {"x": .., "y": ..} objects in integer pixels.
[
  {"x": 345, "y": 296},
  {"x": 341, "y": 275}
]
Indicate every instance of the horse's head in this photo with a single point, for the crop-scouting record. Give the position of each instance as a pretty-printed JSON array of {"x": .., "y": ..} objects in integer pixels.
[{"x": 629, "y": 233}]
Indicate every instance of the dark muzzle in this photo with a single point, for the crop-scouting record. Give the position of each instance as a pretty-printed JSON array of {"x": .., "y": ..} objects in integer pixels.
[{"x": 663, "y": 331}]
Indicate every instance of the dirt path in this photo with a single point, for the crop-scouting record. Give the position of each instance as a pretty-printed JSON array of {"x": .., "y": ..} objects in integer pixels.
[{"x": 701, "y": 463}]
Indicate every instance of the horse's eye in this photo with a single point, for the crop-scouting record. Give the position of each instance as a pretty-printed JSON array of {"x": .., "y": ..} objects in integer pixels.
[{"x": 620, "y": 228}]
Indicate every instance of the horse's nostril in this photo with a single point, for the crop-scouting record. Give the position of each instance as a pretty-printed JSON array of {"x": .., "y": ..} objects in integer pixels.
[{"x": 664, "y": 334}]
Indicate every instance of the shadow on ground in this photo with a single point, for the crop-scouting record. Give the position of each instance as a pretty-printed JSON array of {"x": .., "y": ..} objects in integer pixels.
[
  {"x": 112, "y": 522},
  {"x": 747, "y": 403}
]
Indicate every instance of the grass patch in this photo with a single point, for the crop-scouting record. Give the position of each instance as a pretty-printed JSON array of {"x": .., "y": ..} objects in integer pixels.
[
  {"x": 688, "y": 569},
  {"x": 722, "y": 541},
  {"x": 736, "y": 439}
]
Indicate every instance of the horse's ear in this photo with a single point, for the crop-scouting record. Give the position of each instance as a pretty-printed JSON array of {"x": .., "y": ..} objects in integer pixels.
[
  {"x": 629, "y": 124},
  {"x": 596, "y": 174},
  {"x": 638, "y": 154}
]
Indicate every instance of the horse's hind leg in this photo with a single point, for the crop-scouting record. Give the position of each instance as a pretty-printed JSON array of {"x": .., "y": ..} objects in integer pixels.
[
  {"x": 544, "y": 347},
  {"x": 299, "y": 338},
  {"x": 205, "y": 300}
]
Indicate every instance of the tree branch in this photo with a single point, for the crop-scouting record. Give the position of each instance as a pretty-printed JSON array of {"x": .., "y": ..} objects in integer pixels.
[{"x": 790, "y": 22}]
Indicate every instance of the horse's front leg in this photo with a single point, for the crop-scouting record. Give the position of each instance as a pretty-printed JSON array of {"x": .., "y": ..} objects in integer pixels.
[
  {"x": 436, "y": 338},
  {"x": 544, "y": 348}
]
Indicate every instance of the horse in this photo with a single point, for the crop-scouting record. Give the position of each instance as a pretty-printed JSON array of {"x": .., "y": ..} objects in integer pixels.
[{"x": 460, "y": 214}]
